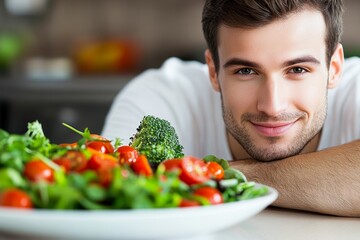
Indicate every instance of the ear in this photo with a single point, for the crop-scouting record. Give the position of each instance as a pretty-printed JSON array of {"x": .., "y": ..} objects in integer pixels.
[
  {"x": 212, "y": 71},
  {"x": 336, "y": 66}
]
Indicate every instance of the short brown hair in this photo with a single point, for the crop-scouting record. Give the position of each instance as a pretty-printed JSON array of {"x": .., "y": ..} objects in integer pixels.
[{"x": 256, "y": 13}]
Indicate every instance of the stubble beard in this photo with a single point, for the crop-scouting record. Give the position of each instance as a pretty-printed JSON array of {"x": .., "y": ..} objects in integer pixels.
[{"x": 272, "y": 151}]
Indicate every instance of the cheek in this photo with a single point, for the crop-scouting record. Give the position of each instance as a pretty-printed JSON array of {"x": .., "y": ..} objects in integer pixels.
[
  {"x": 308, "y": 98},
  {"x": 238, "y": 97}
]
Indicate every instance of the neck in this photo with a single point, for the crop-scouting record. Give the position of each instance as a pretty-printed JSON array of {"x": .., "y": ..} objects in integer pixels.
[{"x": 312, "y": 145}]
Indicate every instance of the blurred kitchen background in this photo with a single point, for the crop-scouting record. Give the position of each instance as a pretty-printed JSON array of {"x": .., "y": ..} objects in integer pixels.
[{"x": 65, "y": 60}]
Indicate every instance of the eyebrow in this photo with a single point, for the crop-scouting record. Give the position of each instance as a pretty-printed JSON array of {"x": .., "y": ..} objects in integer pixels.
[
  {"x": 303, "y": 59},
  {"x": 239, "y": 61},
  {"x": 243, "y": 62}
]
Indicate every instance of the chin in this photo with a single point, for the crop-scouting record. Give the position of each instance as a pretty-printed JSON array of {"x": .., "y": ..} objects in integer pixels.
[{"x": 273, "y": 153}]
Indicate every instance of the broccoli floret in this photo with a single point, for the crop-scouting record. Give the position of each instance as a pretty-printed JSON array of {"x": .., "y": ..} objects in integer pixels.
[{"x": 157, "y": 140}]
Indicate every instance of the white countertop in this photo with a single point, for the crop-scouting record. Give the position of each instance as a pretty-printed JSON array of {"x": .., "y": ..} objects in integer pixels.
[
  {"x": 282, "y": 224},
  {"x": 278, "y": 224}
]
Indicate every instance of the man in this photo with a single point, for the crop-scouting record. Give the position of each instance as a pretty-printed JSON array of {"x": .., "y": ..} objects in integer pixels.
[{"x": 275, "y": 67}]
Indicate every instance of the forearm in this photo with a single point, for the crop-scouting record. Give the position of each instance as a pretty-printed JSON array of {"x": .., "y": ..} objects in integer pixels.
[{"x": 327, "y": 181}]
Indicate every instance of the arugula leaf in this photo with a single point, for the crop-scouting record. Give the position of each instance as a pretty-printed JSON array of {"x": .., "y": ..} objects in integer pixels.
[
  {"x": 14, "y": 151},
  {"x": 9, "y": 177},
  {"x": 118, "y": 143},
  {"x": 137, "y": 191},
  {"x": 234, "y": 173},
  {"x": 37, "y": 140}
]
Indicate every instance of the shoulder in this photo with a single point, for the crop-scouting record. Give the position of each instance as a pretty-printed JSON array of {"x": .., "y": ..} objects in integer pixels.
[
  {"x": 352, "y": 63},
  {"x": 347, "y": 92},
  {"x": 175, "y": 91},
  {"x": 349, "y": 84},
  {"x": 176, "y": 83},
  {"x": 343, "y": 108},
  {"x": 175, "y": 77},
  {"x": 351, "y": 71},
  {"x": 350, "y": 79},
  {"x": 173, "y": 70}
]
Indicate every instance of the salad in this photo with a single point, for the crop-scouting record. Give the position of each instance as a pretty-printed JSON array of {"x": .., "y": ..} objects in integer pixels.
[{"x": 95, "y": 173}]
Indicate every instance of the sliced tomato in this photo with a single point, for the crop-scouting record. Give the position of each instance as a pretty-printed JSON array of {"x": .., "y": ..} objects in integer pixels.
[
  {"x": 192, "y": 169},
  {"x": 103, "y": 165},
  {"x": 16, "y": 198},
  {"x": 212, "y": 194},
  {"x": 100, "y": 160},
  {"x": 215, "y": 170},
  {"x": 72, "y": 161},
  {"x": 188, "y": 203},
  {"x": 36, "y": 170},
  {"x": 141, "y": 166},
  {"x": 100, "y": 144},
  {"x": 127, "y": 154}
]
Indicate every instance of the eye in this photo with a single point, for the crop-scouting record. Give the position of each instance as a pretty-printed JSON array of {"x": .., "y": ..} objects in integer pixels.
[
  {"x": 298, "y": 70},
  {"x": 245, "y": 71}
]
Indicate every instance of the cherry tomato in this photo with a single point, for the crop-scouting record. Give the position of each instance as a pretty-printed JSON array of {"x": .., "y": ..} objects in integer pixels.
[
  {"x": 100, "y": 160},
  {"x": 188, "y": 203},
  {"x": 171, "y": 164},
  {"x": 36, "y": 170},
  {"x": 102, "y": 144},
  {"x": 127, "y": 154},
  {"x": 72, "y": 161},
  {"x": 105, "y": 176},
  {"x": 16, "y": 198},
  {"x": 216, "y": 171},
  {"x": 212, "y": 194},
  {"x": 141, "y": 166},
  {"x": 192, "y": 169}
]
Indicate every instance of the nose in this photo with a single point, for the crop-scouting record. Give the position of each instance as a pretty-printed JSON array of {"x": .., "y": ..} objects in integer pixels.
[{"x": 272, "y": 96}]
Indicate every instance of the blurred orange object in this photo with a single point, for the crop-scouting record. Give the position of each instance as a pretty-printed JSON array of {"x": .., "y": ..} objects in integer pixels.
[{"x": 107, "y": 56}]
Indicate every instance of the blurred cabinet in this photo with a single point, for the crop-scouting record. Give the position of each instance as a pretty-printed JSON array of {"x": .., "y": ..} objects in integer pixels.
[{"x": 80, "y": 103}]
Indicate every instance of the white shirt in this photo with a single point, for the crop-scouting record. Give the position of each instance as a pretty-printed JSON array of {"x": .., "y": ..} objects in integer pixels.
[
  {"x": 342, "y": 124},
  {"x": 181, "y": 93}
]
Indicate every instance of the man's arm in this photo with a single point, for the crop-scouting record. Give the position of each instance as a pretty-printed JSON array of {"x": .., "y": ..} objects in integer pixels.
[{"x": 326, "y": 181}]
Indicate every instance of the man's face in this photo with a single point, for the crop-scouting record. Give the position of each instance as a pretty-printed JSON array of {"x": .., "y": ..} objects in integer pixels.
[{"x": 273, "y": 81}]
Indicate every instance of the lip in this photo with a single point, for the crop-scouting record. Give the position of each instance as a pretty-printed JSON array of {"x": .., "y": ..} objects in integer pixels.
[{"x": 273, "y": 129}]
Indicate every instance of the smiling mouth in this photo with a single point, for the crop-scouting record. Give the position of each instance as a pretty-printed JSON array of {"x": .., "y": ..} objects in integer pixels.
[{"x": 273, "y": 129}]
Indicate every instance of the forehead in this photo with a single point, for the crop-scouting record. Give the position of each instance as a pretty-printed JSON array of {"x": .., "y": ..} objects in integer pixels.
[{"x": 301, "y": 33}]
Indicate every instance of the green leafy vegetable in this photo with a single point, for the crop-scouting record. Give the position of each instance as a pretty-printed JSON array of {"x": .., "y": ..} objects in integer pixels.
[
  {"x": 11, "y": 178},
  {"x": 234, "y": 173},
  {"x": 16, "y": 150}
]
